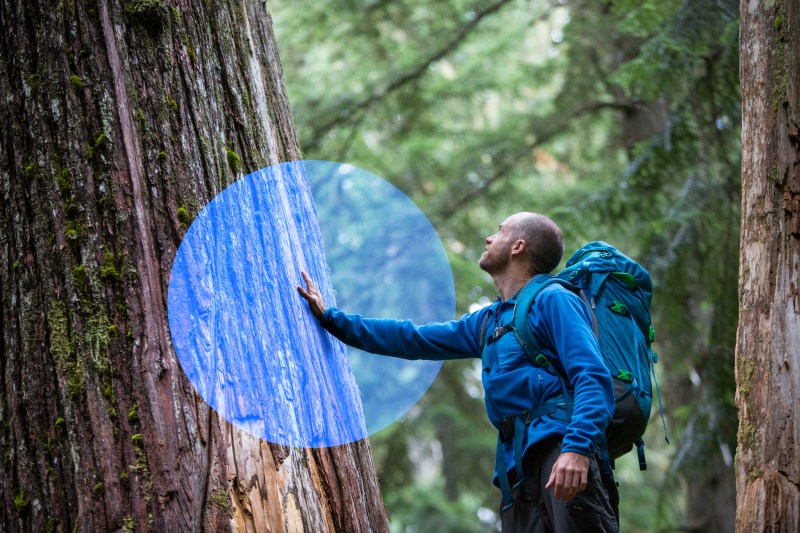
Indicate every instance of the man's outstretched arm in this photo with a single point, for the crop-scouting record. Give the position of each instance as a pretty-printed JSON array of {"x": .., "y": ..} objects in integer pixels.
[{"x": 397, "y": 338}]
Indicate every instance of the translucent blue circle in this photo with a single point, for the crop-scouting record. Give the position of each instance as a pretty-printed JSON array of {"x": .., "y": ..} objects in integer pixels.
[{"x": 247, "y": 341}]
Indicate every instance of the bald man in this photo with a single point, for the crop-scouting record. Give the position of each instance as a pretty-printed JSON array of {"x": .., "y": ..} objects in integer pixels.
[{"x": 562, "y": 489}]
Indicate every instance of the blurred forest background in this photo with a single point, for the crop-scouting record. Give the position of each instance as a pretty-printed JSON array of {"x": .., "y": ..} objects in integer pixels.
[{"x": 619, "y": 119}]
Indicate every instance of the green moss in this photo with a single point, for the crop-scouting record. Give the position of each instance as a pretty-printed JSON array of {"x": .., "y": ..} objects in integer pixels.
[
  {"x": 63, "y": 350},
  {"x": 778, "y": 22},
  {"x": 76, "y": 383},
  {"x": 61, "y": 425},
  {"x": 100, "y": 141},
  {"x": 63, "y": 183},
  {"x": 123, "y": 477},
  {"x": 137, "y": 440},
  {"x": 234, "y": 161},
  {"x": 176, "y": 15},
  {"x": 747, "y": 435},
  {"x": 183, "y": 217},
  {"x": 133, "y": 416},
  {"x": 60, "y": 344},
  {"x": 128, "y": 524},
  {"x": 151, "y": 14},
  {"x": 21, "y": 503},
  {"x": 113, "y": 330},
  {"x": 80, "y": 279},
  {"x": 162, "y": 155},
  {"x": 72, "y": 231},
  {"x": 172, "y": 104},
  {"x": 190, "y": 50},
  {"x": 746, "y": 378},
  {"x": 95, "y": 338},
  {"x": 31, "y": 172},
  {"x": 76, "y": 81},
  {"x": 71, "y": 207},
  {"x": 112, "y": 413},
  {"x": 144, "y": 7},
  {"x": 33, "y": 81},
  {"x": 17, "y": 264},
  {"x": 98, "y": 487},
  {"x": 221, "y": 498},
  {"x": 47, "y": 445},
  {"x": 108, "y": 270}
]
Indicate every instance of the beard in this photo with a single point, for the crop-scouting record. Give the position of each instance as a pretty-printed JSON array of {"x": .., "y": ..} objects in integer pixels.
[{"x": 492, "y": 263}]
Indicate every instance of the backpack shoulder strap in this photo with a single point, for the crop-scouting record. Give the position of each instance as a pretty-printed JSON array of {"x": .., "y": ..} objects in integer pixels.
[{"x": 523, "y": 308}]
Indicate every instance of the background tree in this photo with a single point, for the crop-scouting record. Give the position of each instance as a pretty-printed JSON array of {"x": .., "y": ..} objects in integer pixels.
[
  {"x": 621, "y": 120},
  {"x": 121, "y": 120},
  {"x": 768, "y": 345}
]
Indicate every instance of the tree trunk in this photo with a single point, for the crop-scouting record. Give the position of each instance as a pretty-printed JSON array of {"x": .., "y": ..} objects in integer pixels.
[
  {"x": 120, "y": 120},
  {"x": 768, "y": 343}
]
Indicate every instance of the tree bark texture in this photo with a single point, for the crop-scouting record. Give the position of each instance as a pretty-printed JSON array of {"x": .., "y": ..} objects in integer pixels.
[
  {"x": 768, "y": 339},
  {"x": 120, "y": 120}
]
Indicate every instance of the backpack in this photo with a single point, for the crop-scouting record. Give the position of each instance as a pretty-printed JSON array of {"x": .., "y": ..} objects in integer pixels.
[{"x": 618, "y": 292}]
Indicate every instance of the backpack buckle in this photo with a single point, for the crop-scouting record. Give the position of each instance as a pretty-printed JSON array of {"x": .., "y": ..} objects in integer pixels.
[
  {"x": 542, "y": 360},
  {"x": 625, "y": 375},
  {"x": 507, "y": 428}
]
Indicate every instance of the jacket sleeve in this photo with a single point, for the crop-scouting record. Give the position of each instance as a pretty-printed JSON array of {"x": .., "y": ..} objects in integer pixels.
[
  {"x": 567, "y": 324},
  {"x": 456, "y": 339}
]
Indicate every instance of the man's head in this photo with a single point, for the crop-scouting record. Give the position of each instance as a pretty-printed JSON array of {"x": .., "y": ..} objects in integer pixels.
[{"x": 529, "y": 240}]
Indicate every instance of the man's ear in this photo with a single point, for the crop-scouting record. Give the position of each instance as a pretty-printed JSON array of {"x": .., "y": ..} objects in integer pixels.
[{"x": 518, "y": 247}]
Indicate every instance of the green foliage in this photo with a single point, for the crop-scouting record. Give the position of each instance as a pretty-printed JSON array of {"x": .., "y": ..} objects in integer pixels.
[{"x": 618, "y": 119}]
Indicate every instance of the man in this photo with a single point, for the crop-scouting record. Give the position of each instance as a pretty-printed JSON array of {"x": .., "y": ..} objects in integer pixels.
[{"x": 562, "y": 488}]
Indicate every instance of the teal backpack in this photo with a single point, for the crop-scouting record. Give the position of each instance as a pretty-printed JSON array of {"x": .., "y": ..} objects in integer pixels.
[{"x": 618, "y": 292}]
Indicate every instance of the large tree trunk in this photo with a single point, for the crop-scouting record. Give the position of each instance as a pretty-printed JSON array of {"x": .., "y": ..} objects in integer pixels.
[
  {"x": 120, "y": 120},
  {"x": 768, "y": 344}
]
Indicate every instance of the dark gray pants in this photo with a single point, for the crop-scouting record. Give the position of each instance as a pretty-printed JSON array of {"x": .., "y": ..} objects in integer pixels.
[{"x": 535, "y": 510}]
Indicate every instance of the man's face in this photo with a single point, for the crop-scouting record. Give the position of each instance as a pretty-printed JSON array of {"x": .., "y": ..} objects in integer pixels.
[{"x": 498, "y": 249}]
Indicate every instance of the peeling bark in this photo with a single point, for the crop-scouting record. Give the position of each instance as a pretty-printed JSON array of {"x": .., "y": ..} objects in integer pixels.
[
  {"x": 768, "y": 340},
  {"x": 120, "y": 120}
]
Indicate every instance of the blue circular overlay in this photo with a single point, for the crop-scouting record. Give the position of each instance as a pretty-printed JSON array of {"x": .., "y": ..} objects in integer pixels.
[{"x": 248, "y": 342}]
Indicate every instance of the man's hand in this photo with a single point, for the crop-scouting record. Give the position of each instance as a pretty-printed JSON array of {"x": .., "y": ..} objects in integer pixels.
[
  {"x": 570, "y": 475},
  {"x": 312, "y": 296}
]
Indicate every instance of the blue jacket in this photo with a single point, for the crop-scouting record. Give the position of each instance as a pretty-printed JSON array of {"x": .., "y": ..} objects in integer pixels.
[{"x": 562, "y": 327}]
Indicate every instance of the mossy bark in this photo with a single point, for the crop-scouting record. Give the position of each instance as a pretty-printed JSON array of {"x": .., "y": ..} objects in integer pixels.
[
  {"x": 121, "y": 120},
  {"x": 768, "y": 343}
]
